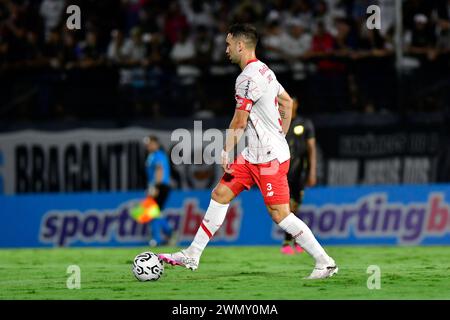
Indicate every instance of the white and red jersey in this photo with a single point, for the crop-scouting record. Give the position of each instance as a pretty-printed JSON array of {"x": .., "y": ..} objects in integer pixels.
[{"x": 257, "y": 90}]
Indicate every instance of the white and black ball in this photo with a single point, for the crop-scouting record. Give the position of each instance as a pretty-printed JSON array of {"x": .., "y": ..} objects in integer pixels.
[{"x": 147, "y": 267}]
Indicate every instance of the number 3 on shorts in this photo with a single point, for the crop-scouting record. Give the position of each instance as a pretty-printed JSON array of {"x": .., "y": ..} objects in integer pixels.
[{"x": 269, "y": 186}]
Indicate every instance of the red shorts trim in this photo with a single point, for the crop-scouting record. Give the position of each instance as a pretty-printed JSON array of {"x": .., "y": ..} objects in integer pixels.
[{"x": 270, "y": 177}]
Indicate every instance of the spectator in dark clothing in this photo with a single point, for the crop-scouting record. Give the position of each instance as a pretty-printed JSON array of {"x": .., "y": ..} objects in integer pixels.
[
  {"x": 422, "y": 38},
  {"x": 175, "y": 22}
]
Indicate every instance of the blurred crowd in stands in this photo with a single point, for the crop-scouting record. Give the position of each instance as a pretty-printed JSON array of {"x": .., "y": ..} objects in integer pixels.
[{"x": 167, "y": 58}]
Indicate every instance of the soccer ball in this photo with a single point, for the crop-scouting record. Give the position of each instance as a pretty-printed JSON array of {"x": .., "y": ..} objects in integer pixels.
[{"x": 147, "y": 267}]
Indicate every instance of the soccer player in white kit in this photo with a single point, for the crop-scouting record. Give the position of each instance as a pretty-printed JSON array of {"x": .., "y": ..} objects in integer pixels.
[{"x": 263, "y": 112}]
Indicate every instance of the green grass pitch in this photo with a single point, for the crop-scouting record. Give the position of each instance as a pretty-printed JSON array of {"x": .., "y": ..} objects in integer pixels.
[{"x": 227, "y": 273}]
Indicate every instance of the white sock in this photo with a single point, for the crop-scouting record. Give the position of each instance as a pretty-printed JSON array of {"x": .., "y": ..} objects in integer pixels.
[
  {"x": 304, "y": 237},
  {"x": 213, "y": 219}
]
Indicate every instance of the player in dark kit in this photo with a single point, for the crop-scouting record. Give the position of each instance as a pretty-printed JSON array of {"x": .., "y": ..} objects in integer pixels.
[{"x": 302, "y": 171}]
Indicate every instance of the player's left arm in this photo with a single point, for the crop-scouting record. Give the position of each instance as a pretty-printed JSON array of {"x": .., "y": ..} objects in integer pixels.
[
  {"x": 312, "y": 155},
  {"x": 285, "y": 104}
]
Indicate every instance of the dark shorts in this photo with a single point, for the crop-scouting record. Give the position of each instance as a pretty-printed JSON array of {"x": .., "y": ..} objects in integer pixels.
[
  {"x": 163, "y": 194},
  {"x": 296, "y": 190}
]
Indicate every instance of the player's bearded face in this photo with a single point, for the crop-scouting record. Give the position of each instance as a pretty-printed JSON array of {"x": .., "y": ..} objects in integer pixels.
[{"x": 232, "y": 49}]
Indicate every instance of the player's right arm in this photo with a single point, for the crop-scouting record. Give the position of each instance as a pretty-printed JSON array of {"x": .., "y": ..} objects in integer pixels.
[{"x": 285, "y": 104}]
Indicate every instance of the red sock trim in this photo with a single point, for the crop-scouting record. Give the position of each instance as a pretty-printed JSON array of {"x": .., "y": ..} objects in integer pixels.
[{"x": 206, "y": 230}]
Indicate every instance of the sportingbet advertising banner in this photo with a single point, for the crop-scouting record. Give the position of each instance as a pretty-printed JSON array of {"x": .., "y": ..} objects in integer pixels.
[{"x": 407, "y": 215}]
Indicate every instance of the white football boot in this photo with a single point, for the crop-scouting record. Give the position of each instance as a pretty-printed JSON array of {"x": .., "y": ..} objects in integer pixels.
[
  {"x": 180, "y": 258},
  {"x": 324, "y": 271}
]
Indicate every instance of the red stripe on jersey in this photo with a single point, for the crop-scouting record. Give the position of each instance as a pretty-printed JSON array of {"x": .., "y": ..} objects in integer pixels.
[
  {"x": 250, "y": 61},
  {"x": 208, "y": 233},
  {"x": 243, "y": 104}
]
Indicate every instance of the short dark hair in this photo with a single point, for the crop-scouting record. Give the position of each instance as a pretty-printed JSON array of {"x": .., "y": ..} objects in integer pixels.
[
  {"x": 246, "y": 31},
  {"x": 153, "y": 138}
]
